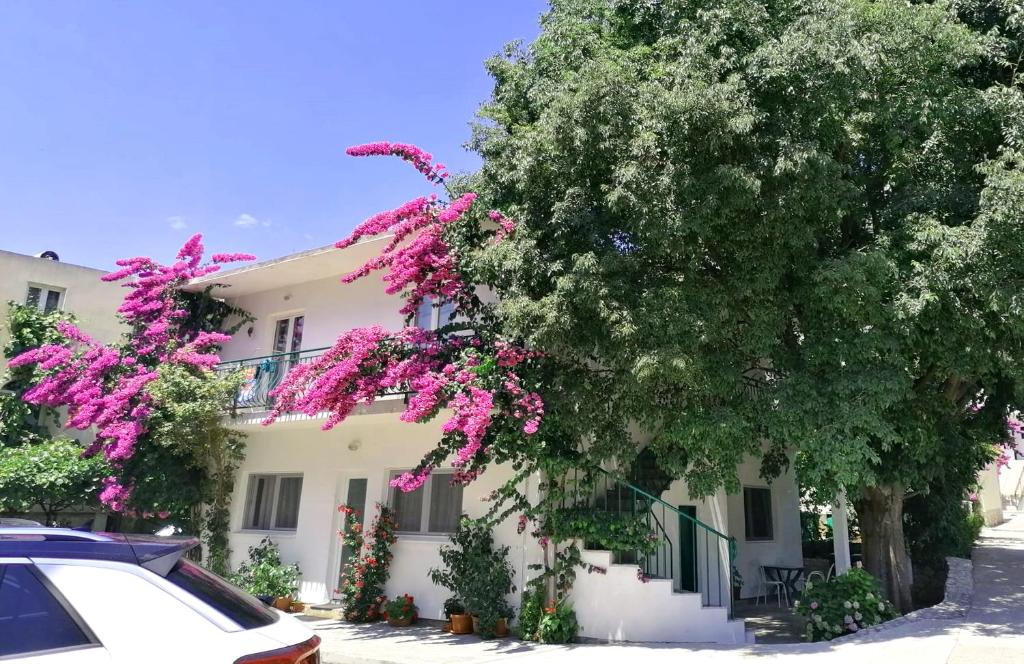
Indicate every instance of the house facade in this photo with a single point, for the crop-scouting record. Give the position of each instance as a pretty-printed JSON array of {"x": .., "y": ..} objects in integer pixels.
[{"x": 295, "y": 475}]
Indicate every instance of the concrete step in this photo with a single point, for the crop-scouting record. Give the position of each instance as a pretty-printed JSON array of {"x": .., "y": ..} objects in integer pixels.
[{"x": 329, "y": 611}]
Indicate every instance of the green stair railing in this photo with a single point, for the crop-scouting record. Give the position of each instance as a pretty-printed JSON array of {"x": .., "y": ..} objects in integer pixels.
[{"x": 680, "y": 547}]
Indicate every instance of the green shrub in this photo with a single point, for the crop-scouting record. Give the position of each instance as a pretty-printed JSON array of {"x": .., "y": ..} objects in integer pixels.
[
  {"x": 264, "y": 573},
  {"x": 531, "y": 609},
  {"x": 558, "y": 624},
  {"x": 478, "y": 573},
  {"x": 843, "y": 605}
]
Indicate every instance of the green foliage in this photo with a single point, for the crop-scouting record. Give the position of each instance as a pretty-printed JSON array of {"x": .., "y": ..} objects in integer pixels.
[
  {"x": 29, "y": 328},
  {"x": 401, "y": 607},
  {"x": 478, "y": 573},
  {"x": 842, "y": 605},
  {"x": 453, "y": 606},
  {"x": 558, "y": 624},
  {"x": 791, "y": 233},
  {"x": 600, "y": 529},
  {"x": 940, "y": 525},
  {"x": 19, "y": 423},
  {"x": 190, "y": 457},
  {"x": 364, "y": 575},
  {"x": 264, "y": 573},
  {"x": 51, "y": 475},
  {"x": 531, "y": 610},
  {"x": 205, "y": 312}
]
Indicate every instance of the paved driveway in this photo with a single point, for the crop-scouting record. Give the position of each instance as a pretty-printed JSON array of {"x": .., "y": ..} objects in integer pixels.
[{"x": 992, "y": 632}]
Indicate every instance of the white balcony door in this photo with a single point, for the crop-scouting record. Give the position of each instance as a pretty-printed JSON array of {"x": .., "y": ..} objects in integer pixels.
[{"x": 288, "y": 334}]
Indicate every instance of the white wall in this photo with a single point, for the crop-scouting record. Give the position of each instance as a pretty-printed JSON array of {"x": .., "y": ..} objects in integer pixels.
[
  {"x": 329, "y": 306},
  {"x": 326, "y": 462},
  {"x": 989, "y": 497},
  {"x": 785, "y": 547}
]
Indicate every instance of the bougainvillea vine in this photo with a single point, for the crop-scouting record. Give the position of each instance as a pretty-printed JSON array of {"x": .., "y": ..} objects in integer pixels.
[
  {"x": 105, "y": 386},
  {"x": 471, "y": 372}
]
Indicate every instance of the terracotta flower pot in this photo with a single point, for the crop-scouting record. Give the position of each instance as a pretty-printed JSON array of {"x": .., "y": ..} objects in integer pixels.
[
  {"x": 446, "y": 626},
  {"x": 400, "y": 622},
  {"x": 462, "y": 623},
  {"x": 283, "y": 603},
  {"x": 297, "y": 607},
  {"x": 501, "y": 628}
]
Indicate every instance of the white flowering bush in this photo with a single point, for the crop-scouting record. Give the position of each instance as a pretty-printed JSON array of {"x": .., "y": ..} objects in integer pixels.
[{"x": 843, "y": 605}]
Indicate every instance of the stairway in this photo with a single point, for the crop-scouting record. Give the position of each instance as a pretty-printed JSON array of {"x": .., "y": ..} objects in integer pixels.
[{"x": 617, "y": 606}]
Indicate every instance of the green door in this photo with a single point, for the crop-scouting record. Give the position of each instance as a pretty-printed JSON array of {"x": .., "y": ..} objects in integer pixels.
[{"x": 688, "y": 549}]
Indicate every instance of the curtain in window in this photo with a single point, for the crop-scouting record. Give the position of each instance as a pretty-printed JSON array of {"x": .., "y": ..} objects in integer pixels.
[
  {"x": 261, "y": 490},
  {"x": 288, "y": 492},
  {"x": 445, "y": 504},
  {"x": 408, "y": 509}
]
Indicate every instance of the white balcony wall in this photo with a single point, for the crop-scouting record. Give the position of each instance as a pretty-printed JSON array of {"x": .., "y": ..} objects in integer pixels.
[{"x": 329, "y": 307}]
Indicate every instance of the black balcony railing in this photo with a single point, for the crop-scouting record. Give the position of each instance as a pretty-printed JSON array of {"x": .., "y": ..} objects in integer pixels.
[{"x": 260, "y": 375}]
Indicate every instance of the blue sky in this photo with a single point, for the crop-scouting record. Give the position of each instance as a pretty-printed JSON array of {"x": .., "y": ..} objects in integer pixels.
[{"x": 127, "y": 126}]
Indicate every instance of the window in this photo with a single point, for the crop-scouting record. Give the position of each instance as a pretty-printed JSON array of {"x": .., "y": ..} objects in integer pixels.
[
  {"x": 288, "y": 334},
  {"x": 237, "y": 605},
  {"x": 32, "y": 619},
  {"x": 45, "y": 298},
  {"x": 433, "y": 508},
  {"x": 431, "y": 316},
  {"x": 272, "y": 502},
  {"x": 757, "y": 513}
]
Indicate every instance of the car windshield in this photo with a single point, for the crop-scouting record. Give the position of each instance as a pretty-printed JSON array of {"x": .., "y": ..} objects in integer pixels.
[{"x": 233, "y": 602}]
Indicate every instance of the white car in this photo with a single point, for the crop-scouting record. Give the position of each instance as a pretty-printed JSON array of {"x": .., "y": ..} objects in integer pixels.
[{"x": 75, "y": 597}]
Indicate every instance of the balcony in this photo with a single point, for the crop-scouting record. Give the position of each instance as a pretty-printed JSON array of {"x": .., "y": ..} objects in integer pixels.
[{"x": 260, "y": 375}]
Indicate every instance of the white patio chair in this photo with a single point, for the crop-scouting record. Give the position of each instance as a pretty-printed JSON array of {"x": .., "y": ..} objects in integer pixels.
[{"x": 780, "y": 589}]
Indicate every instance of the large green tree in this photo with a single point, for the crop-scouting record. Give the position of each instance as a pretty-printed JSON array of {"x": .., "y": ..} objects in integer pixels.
[{"x": 784, "y": 229}]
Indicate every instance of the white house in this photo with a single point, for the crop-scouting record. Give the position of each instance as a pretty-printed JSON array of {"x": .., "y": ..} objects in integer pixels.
[{"x": 295, "y": 475}]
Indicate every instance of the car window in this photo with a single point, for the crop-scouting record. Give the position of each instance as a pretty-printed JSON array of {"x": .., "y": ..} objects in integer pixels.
[
  {"x": 234, "y": 603},
  {"x": 31, "y": 618}
]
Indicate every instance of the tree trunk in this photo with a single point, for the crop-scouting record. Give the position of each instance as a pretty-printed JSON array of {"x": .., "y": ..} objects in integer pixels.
[{"x": 880, "y": 513}]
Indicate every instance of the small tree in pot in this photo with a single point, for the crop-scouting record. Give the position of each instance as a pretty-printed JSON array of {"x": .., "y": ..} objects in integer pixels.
[{"x": 479, "y": 575}]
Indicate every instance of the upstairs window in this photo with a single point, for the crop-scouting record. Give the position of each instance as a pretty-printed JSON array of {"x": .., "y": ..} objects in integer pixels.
[
  {"x": 272, "y": 502},
  {"x": 44, "y": 298},
  {"x": 430, "y": 315},
  {"x": 435, "y": 507},
  {"x": 757, "y": 513}
]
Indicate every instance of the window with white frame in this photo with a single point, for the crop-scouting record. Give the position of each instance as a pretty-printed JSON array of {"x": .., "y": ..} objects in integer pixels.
[
  {"x": 432, "y": 315},
  {"x": 435, "y": 507},
  {"x": 44, "y": 298},
  {"x": 272, "y": 502},
  {"x": 288, "y": 334}
]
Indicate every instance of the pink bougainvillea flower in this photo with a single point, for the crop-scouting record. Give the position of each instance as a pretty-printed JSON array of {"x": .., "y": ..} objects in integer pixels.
[{"x": 105, "y": 387}]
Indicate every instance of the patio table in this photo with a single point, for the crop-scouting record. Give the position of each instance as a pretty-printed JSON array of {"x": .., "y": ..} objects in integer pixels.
[{"x": 788, "y": 576}]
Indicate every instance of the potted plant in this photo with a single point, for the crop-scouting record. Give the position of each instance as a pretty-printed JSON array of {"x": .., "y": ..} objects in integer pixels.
[
  {"x": 265, "y": 576},
  {"x": 401, "y": 611},
  {"x": 453, "y": 607},
  {"x": 480, "y": 576}
]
